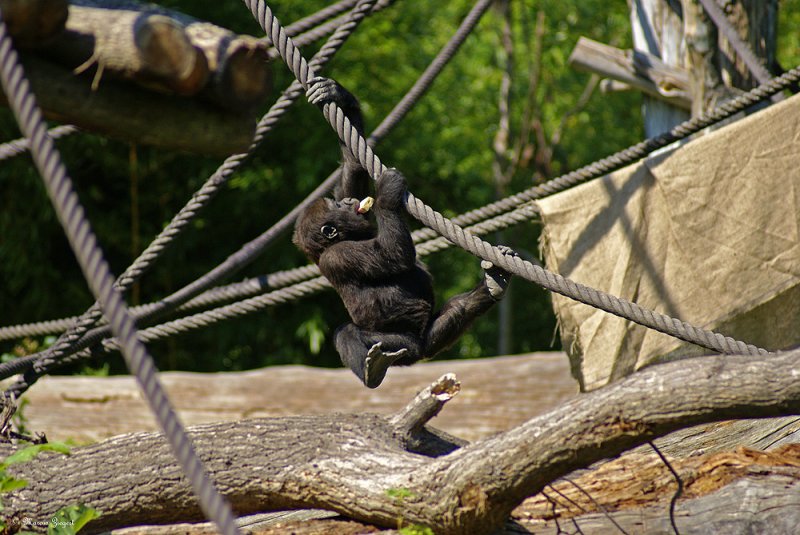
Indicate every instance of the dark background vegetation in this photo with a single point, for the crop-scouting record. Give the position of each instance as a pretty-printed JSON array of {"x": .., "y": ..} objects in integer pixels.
[{"x": 444, "y": 147}]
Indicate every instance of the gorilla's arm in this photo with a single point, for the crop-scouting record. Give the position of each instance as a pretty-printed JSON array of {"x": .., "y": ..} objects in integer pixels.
[
  {"x": 390, "y": 252},
  {"x": 355, "y": 179}
]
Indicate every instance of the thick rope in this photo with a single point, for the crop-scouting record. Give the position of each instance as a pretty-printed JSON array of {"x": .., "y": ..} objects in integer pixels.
[
  {"x": 499, "y": 221},
  {"x": 239, "y": 290},
  {"x": 317, "y": 33},
  {"x": 425, "y": 214},
  {"x": 317, "y": 18},
  {"x": 21, "y": 146},
  {"x": 74, "y": 340},
  {"x": 431, "y": 72},
  {"x": 97, "y": 274}
]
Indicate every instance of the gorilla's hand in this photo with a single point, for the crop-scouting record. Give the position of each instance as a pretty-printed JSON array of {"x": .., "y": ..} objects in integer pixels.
[
  {"x": 496, "y": 278},
  {"x": 391, "y": 189}
]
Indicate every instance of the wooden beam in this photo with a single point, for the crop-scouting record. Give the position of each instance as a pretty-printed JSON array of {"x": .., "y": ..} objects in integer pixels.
[
  {"x": 131, "y": 113},
  {"x": 639, "y": 70}
]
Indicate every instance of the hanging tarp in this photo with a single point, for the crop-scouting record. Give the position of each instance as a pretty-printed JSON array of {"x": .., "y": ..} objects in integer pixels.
[{"x": 708, "y": 232}]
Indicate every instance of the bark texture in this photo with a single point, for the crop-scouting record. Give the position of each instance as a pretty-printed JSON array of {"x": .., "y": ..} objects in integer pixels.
[{"x": 351, "y": 463}]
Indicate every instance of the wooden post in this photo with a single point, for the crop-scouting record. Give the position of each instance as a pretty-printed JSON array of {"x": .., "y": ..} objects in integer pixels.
[{"x": 658, "y": 30}]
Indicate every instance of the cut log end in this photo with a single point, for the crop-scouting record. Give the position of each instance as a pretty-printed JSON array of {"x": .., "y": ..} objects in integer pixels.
[
  {"x": 169, "y": 55},
  {"x": 445, "y": 387},
  {"x": 243, "y": 79}
]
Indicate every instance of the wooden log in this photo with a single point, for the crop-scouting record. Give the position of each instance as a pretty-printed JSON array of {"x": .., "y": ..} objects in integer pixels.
[
  {"x": 350, "y": 463},
  {"x": 150, "y": 48},
  {"x": 86, "y": 409},
  {"x": 34, "y": 22},
  {"x": 237, "y": 64},
  {"x": 744, "y": 490},
  {"x": 637, "y": 69},
  {"x": 128, "y": 112}
]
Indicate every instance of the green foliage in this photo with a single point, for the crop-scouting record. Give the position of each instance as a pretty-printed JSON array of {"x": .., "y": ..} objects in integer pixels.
[
  {"x": 400, "y": 495},
  {"x": 28, "y": 453},
  {"x": 68, "y": 520},
  {"x": 314, "y": 330},
  {"x": 444, "y": 146},
  {"x": 415, "y": 529},
  {"x": 788, "y": 34}
]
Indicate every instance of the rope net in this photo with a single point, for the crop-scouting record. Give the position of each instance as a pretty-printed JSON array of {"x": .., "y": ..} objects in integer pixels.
[{"x": 80, "y": 336}]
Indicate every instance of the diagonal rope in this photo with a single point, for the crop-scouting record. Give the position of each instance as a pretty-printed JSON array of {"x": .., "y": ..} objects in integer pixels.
[
  {"x": 21, "y": 146},
  {"x": 317, "y": 33},
  {"x": 317, "y": 18},
  {"x": 391, "y": 120},
  {"x": 742, "y": 49},
  {"x": 74, "y": 339},
  {"x": 551, "y": 281},
  {"x": 98, "y": 276}
]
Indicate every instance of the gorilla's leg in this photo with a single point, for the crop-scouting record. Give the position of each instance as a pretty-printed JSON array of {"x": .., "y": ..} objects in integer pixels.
[
  {"x": 459, "y": 312},
  {"x": 369, "y": 354},
  {"x": 454, "y": 318}
]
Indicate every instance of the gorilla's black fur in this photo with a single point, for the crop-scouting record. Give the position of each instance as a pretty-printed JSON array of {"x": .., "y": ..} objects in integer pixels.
[{"x": 373, "y": 266}]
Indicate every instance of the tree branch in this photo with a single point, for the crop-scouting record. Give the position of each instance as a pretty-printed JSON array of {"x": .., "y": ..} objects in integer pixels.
[{"x": 350, "y": 463}]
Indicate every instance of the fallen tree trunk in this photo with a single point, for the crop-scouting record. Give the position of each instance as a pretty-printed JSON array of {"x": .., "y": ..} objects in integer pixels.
[{"x": 365, "y": 466}]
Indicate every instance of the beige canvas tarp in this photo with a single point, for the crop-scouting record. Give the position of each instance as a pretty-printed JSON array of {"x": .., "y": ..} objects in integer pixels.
[{"x": 708, "y": 232}]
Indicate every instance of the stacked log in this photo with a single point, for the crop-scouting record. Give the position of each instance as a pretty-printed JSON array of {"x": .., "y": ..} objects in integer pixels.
[{"x": 144, "y": 56}]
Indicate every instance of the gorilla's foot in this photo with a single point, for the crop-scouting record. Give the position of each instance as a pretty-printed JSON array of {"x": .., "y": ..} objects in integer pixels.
[{"x": 377, "y": 362}]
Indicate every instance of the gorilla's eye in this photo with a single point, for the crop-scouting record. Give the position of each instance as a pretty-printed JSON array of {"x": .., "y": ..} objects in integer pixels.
[{"x": 329, "y": 231}]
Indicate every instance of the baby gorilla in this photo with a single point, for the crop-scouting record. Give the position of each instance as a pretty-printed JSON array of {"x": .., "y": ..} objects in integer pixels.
[{"x": 386, "y": 290}]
